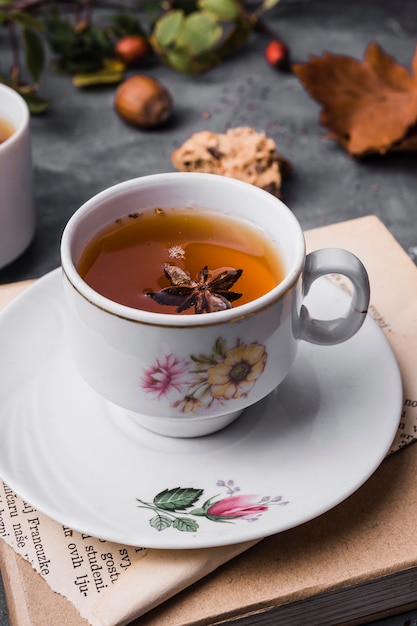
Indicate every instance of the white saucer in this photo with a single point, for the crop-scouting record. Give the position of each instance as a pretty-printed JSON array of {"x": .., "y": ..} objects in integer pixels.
[{"x": 86, "y": 464}]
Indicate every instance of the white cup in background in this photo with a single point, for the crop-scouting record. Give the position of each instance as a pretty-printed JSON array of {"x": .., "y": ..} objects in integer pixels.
[{"x": 17, "y": 212}]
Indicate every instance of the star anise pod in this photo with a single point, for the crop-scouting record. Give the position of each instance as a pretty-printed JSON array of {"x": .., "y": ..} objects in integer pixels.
[{"x": 206, "y": 296}]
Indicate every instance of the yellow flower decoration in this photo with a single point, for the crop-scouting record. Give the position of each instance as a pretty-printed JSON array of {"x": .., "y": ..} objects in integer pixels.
[
  {"x": 188, "y": 404},
  {"x": 237, "y": 373}
]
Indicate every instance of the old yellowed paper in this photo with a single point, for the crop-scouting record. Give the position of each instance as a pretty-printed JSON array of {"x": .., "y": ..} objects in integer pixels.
[{"x": 87, "y": 571}]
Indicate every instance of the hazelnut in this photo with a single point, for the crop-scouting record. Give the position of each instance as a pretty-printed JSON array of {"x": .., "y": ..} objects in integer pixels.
[{"x": 143, "y": 101}]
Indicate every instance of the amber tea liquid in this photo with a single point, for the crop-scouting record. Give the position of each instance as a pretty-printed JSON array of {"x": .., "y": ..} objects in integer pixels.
[
  {"x": 6, "y": 130},
  {"x": 126, "y": 259}
]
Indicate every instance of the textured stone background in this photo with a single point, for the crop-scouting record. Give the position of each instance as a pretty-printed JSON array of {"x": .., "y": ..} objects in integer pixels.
[{"x": 80, "y": 146}]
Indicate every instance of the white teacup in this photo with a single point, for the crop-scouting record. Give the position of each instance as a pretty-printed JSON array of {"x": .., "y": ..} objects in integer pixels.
[
  {"x": 145, "y": 362},
  {"x": 17, "y": 212}
]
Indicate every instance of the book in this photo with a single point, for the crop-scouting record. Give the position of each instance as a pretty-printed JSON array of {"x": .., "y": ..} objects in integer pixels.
[{"x": 354, "y": 564}]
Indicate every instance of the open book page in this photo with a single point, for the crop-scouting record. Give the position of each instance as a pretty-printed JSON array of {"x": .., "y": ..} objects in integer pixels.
[
  {"x": 393, "y": 278},
  {"x": 85, "y": 569},
  {"x": 113, "y": 584}
]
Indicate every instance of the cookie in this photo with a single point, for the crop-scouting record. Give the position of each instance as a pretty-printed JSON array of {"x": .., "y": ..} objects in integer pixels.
[{"x": 240, "y": 153}]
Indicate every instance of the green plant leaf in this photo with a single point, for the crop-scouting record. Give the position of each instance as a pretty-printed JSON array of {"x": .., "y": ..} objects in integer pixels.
[
  {"x": 185, "y": 524},
  {"x": 179, "y": 61},
  {"x": 123, "y": 24},
  {"x": 26, "y": 19},
  {"x": 200, "y": 32},
  {"x": 200, "y": 512},
  {"x": 220, "y": 347},
  {"x": 60, "y": 32},
  {"x": 268, "y": 4},
  {"x": 111, "y": 73},
  {"x": 177, "y": 499},
  {"x": 235, "y": 38},
  {"x": 101, "y": 77},
  {"x": 80, "y": 49},
  {"x": 36, "y": 105},
  {"x": 34, "y": 53},
  {"x": 226, "y": 10},
  {"x": 160, "y": 522},
  {"x": 204, "y": 62},
  {"x": 167, "y": 28}
]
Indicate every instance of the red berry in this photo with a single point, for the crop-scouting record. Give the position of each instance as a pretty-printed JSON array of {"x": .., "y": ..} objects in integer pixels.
[
  {"x": 132, "y": 49},
  {"x": 277, "y": 54}
]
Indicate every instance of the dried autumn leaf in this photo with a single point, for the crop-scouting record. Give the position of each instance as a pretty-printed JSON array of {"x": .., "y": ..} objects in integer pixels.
[{"x": 368, "y": 106}]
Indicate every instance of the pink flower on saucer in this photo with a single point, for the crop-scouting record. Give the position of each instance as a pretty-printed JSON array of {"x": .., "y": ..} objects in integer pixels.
[
  {"x": 237, "y": 506},
  {"x": 179, "y": 507}
]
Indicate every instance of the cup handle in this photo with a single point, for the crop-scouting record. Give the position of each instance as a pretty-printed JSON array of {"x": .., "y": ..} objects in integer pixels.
[{"x": 334, "y": 261}]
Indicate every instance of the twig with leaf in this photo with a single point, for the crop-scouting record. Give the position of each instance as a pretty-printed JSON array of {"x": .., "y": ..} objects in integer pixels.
[{"x": 190, "y": 36}]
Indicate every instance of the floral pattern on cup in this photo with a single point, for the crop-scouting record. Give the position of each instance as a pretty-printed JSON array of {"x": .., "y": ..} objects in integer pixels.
[
  {"x": 223, "y": 374},
  {"x": 177, "y": 508}
]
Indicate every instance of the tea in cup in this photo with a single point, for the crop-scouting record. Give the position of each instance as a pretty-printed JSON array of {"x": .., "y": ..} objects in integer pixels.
[
  {"x": 6, "y": 130},
  {"x": 186, "y": 297},
  {"x": 17, "y": 212},
  {"x": 139, "y": 260}
]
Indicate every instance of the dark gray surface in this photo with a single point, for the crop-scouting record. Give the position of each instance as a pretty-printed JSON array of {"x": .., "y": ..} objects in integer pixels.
[{"x": 81, "y": 146}]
